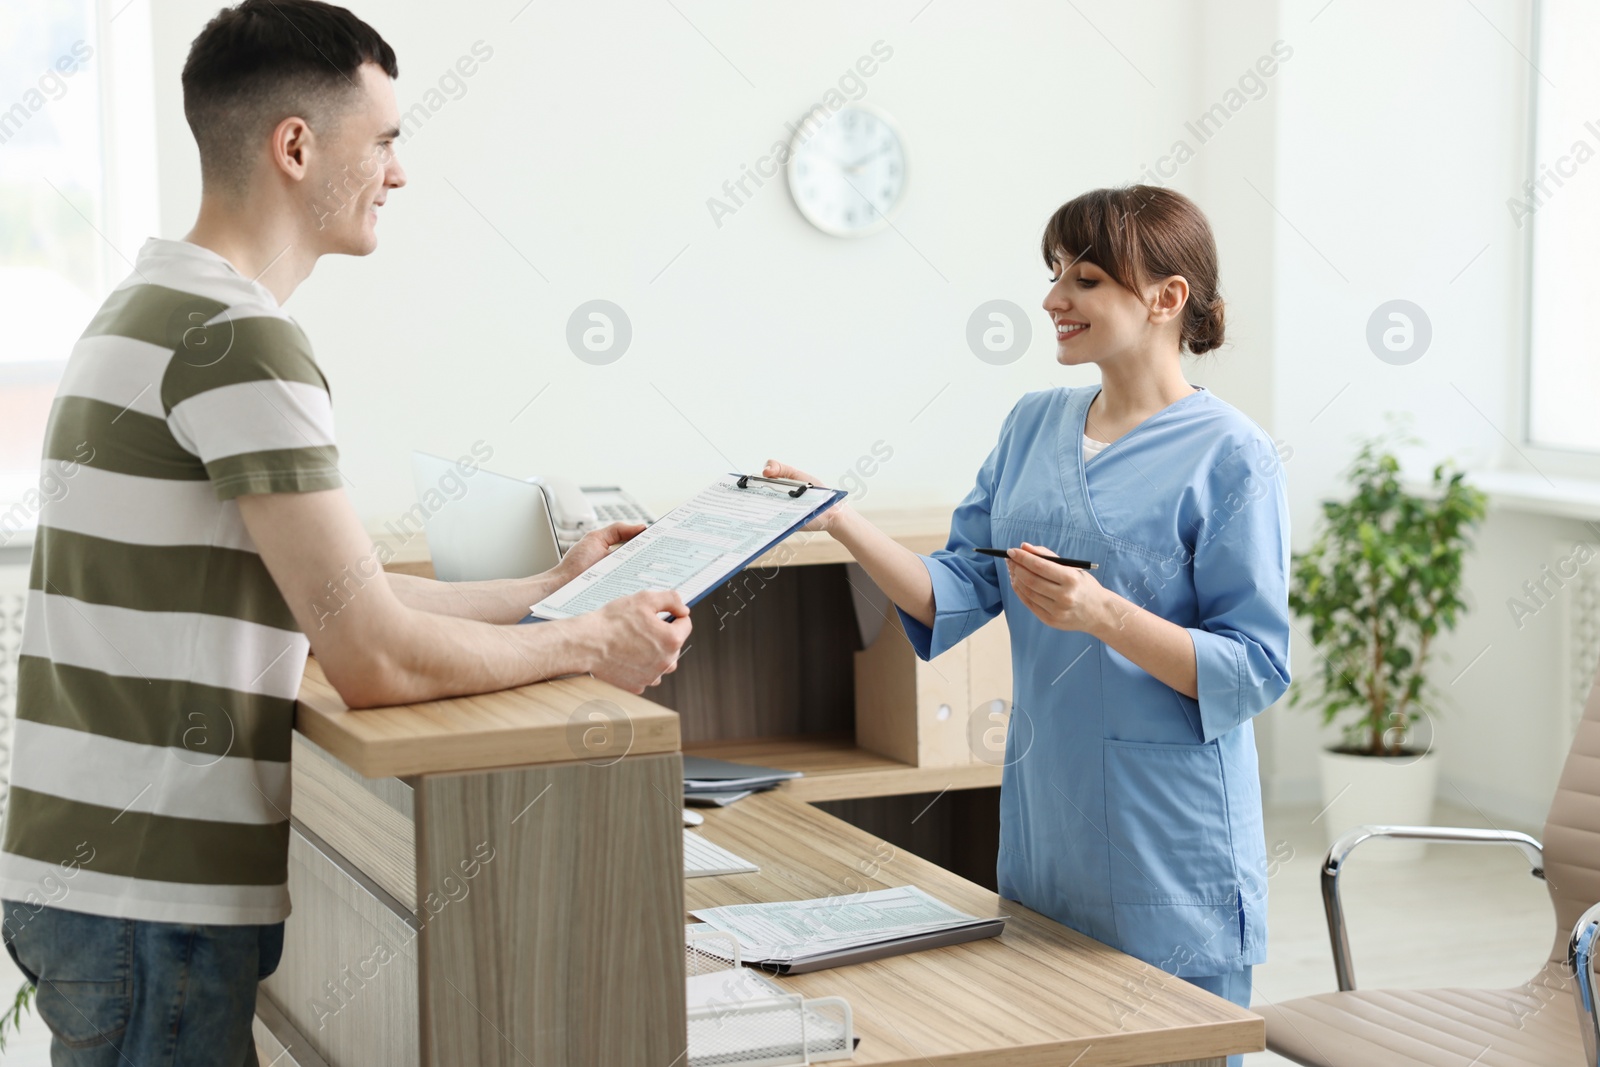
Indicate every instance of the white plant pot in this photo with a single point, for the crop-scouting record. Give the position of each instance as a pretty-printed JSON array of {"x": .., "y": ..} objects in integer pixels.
[{"x": 1392, "y": 790}]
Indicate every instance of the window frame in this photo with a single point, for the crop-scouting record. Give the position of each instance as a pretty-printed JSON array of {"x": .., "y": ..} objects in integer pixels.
[
  {"x": 1546, "y": 460},
  {"x": 129, "y": 193}
]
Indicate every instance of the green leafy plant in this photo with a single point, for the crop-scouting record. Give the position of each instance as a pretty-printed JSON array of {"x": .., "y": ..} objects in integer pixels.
[
  {"x": 13, "y": 1017},
  {"x": 1380, "y": 583}
]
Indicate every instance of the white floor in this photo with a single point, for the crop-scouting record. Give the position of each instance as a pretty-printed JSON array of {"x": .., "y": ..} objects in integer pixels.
[{"x": 1463, "y": 916}]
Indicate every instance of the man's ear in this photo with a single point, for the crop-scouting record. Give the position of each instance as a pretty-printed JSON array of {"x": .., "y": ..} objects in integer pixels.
[{"x": 291, "y": 144}]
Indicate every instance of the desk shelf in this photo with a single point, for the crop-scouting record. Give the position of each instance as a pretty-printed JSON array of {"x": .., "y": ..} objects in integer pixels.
[
  {"x": 776, "y": 672},
  {"x": 836, "y": 768}
]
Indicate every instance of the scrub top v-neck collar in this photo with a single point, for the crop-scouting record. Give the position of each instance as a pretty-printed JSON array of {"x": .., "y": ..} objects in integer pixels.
[
  {"x": 1075, "y": 426},
  {"x": 1083, "y": 416}
]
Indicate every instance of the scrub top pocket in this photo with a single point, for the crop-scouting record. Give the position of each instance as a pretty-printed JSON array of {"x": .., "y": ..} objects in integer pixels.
[{"x": 1165, "y": 811}]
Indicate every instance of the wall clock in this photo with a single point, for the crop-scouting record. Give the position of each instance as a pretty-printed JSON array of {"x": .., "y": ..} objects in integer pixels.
[{"x": 847, "y": 173}]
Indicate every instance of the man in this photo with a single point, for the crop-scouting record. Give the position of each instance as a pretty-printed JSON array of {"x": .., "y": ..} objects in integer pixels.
[{"x": 175, "y": 585}]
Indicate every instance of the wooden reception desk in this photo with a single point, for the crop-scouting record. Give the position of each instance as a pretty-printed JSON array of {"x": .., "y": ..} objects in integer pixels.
[{"x": 498, "y": 880}]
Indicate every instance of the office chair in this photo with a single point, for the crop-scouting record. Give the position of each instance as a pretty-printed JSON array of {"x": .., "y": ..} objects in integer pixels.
[{"x": 1549, "y": 1021}]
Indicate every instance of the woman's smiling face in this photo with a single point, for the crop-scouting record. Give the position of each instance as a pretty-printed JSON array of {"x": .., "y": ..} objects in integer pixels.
[{"x": 1095, "y": 318}]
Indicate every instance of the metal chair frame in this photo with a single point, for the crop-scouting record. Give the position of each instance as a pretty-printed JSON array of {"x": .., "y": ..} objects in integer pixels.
[{"x": 1581, "y": 946}]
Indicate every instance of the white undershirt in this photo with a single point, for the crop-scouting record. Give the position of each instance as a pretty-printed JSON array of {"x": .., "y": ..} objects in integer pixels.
[{"x": 1092, "y": 448}]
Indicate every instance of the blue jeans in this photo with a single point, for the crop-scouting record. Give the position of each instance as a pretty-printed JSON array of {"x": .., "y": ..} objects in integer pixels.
[
  {"x": 116, "y": 992},
  {"x": 1234, "y": 987}
]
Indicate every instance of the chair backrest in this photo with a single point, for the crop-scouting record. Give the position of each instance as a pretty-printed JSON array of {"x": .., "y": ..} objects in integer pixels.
[{"x": 1572, "y": 829}]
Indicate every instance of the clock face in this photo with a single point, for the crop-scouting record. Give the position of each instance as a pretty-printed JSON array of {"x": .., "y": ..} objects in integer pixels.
[{"x": 847, "y": 174}]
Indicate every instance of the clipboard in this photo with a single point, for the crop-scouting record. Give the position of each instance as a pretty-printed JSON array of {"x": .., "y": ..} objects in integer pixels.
[
  {"x": 880, "y": 950},
  {"x": 697, "y": 546}
]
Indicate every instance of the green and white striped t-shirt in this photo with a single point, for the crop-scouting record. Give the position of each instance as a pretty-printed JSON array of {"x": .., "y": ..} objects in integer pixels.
[{"x": 159, "y": 663}]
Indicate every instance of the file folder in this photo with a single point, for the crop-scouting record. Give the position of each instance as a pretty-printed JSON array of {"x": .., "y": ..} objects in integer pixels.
[{"x": 799, "y": 936}]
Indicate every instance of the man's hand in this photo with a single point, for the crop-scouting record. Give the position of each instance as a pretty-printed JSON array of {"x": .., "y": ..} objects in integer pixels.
[
  {"x": 822, "y": 523},
  {"x": 593, "y": 548},
  {"x": 1066, "y": 598},
  {"x": 634, "y": 646}
]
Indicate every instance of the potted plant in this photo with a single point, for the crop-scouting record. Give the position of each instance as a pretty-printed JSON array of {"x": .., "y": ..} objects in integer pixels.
[
  {"x": 14, "y": 1014},
  {"x": 1380, "y": 583}
]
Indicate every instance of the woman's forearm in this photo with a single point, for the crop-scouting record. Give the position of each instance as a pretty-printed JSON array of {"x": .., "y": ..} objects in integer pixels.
[
  {"x": 1162, "y": 648},
  {"x": 897, "y": 570}
]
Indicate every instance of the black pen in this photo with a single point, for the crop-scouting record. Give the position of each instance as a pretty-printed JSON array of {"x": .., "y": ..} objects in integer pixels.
[{"x": 1081, "y": 564}]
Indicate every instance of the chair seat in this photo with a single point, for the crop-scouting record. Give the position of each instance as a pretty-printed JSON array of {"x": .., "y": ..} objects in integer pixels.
[{"x": 1533, "y": 1025}]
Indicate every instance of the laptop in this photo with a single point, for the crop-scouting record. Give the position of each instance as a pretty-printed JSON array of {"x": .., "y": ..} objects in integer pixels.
[{"x": 494, "y": 527}]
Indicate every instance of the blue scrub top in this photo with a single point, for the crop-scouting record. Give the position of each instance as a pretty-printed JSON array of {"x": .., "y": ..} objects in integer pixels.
[{"x": 1128, "y": 811}]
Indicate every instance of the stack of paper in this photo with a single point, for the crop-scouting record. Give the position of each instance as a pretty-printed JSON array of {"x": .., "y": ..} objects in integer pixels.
[
  {"x": 713, "y": 781},
  {"x": 793, "y": 937}
]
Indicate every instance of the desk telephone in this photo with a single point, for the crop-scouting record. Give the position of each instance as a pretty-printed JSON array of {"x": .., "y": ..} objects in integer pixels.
[{"x": 578, "y": 509}]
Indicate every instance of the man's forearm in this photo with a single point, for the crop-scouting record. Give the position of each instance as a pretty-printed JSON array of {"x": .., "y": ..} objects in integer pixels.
[
  {"x": 504, "y": 601},
  {"x": 429, "y": 657}
]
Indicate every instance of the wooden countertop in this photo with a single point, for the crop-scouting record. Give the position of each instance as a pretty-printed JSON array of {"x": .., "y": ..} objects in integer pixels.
[
  {"x": 559, "y": 721},
  {"x": 1040, "y": 995}
]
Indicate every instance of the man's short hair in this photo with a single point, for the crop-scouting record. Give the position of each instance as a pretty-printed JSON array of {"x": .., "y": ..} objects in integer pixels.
[{"x": 261, "y": 61}]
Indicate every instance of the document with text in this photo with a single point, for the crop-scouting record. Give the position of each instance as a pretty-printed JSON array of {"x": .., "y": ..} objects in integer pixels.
[{"x": 695, "y": 547}]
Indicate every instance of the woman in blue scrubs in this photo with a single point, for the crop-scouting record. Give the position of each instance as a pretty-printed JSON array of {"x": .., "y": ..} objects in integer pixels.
[{"x": 1130, "y": 807}]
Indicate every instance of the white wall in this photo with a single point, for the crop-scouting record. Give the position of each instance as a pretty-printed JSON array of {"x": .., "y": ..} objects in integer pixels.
[
  {"x": 592, "y": 140},
  {"x": 1374, "y": 164},
  {"x": 1401, "y": 131}
]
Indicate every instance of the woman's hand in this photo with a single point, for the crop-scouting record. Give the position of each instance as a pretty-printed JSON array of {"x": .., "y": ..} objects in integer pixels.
[
  {"x": 1066, "y": 598},
  {"x": 593, "y": 548},
  {"x": 821, "y": 523}
]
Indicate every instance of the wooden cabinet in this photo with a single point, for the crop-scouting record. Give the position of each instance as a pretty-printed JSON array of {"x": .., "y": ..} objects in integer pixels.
[{"x": 497, "y": 914}]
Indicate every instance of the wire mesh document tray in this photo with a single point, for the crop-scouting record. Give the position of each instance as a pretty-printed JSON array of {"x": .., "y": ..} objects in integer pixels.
[{"x": 738, "y": 1018}]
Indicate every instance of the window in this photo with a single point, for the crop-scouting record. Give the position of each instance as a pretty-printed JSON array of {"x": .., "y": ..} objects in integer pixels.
[
  {"x": 1559, "y": 207},
  {"x": 67, "y": 211}
]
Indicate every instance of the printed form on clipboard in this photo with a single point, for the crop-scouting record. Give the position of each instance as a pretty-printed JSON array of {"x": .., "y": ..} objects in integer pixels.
[{"x": 697, "y": 545}]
